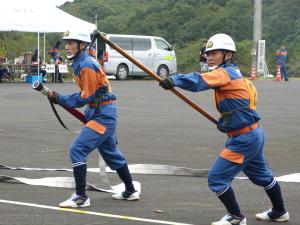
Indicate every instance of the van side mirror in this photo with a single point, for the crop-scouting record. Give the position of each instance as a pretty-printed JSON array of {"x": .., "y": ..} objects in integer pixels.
[{"x": 170, "y": 48}]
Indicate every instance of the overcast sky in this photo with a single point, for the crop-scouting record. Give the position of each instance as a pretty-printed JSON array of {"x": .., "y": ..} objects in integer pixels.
[
  {"x": 57, "y": 2},
  {"x": 48, "y": 2}
]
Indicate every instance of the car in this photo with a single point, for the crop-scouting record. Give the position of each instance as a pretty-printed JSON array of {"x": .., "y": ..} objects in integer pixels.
[{"x": 153, "y": 52}]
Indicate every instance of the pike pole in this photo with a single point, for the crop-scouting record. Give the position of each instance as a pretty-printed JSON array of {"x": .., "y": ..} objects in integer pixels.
[{"x": 98, "y": 34}]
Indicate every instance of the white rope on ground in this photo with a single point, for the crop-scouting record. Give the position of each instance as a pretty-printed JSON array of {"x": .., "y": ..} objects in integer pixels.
[
  {"x": 154, "y": 169},
  {"x": 68, "y": 182}
]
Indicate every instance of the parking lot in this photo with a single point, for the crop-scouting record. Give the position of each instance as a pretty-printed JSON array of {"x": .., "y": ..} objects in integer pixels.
[{"x": 155, "y": 127}]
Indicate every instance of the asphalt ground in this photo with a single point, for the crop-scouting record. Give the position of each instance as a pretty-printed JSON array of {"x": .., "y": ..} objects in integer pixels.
[{"x": 155, "y": 127}]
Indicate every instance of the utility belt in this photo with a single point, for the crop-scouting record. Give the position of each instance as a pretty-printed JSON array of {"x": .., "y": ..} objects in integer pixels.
[
  {"x": 93, "y": 104},
  {"x": 244, "y": 130}
]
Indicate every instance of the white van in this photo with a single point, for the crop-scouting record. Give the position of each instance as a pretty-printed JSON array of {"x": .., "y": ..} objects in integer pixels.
[{"x": 154, "y": 52}]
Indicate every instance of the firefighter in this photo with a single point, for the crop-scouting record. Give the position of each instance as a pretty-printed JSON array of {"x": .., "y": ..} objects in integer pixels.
[
  {"x": 5, "y": 71},
  {"x": 101, "y": 116},
  {"x": 56, "y": 59},
  {"x": 203, "y": 59},
  {"x": 281, "y": 58},
  {"x": 244, "y": 148}
]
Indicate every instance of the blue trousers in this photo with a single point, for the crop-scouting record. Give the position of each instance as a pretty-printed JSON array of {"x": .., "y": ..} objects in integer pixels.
[
  {"x": 254, "y": 165},
  {"x": 283, "y": 70},
  {"x": 88, "y": 140}
]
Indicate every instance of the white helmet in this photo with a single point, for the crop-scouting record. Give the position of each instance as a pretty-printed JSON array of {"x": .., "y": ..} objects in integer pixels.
[
  {"x": 80, "y": 36},
  {"x": 220, "y": 42}
]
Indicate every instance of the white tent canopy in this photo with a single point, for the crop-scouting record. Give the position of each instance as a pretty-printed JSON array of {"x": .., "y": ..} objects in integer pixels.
[
  {"x": 39, "y": 17},
  {"x": 36, "y": 16}
]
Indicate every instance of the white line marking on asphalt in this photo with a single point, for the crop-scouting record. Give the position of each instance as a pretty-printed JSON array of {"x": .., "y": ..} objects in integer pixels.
[{"x": 91, "y": 213}]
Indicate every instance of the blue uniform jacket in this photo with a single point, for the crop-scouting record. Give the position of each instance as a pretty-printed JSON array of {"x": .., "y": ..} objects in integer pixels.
[
  {"x": 281, "y": 55},
  {"x": 95, "y": 91},
  {"x": 235, "y": 97}
]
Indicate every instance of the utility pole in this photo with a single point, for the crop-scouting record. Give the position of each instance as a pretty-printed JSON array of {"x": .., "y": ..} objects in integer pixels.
[
  {"x": 257, "y": 22},
  {"x": 96, "y": 20}
]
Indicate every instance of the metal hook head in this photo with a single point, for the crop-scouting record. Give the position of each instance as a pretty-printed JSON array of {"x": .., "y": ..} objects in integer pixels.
[{"x": 37, "y": 85}]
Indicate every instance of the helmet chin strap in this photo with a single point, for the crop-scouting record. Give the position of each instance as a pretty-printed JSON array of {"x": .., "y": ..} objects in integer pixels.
[
  {"x": 210, "y": 68},
  {"x": 70, "y": 57},
  {"x": 224, "y": 59},
  {"x": 216, "y": 66}
]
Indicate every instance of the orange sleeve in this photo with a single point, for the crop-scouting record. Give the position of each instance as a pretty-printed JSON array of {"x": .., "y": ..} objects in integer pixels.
[
  {"x": 88, "y": 82},
  {"x": 216, "y": 78}
]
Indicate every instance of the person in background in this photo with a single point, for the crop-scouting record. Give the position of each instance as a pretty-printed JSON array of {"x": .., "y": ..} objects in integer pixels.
[
  {"x": 92, "y": 51},
  {"x": 59, "y": 75},
  {"x": 203, "y": 59},
  {"x": 36, "y": 57},
  {"x": 36, "y": 61},
  {"x": 4, "y": 71},
  {"x": 55, "y": 52},
  {"x": 101, "y": 121},
  {"x": 56, "y": 59},
  {"x": 97, "y": 55},
  {"x": 44, "y": 73},
  {"x": 281, "y": 55},
  {"x": 235, "y": 99},
  {"x": 101, "y": 57}
]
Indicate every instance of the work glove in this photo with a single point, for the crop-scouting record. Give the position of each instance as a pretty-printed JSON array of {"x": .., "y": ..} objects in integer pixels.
[
  {"x": 53, "y": 97},
  {"x": 96, "y": 34},
  {"x": 167, "y": 83},
  {"x": 102, "y": 90},
  {"x": 221, "y": 128}
]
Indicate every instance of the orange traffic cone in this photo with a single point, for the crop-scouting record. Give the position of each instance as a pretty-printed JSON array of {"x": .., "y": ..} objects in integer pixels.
[
  {"x": 252, "y": 73},
  {"x": 278, "y": 74}
]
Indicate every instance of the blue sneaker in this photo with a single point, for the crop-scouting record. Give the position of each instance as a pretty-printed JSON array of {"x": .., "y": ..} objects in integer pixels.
[
  {"x": 229, "y": 219},
  {"x": 76, "y": 201}
]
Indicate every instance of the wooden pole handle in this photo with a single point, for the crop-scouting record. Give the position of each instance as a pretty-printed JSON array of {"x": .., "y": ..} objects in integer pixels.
[{"x": 156, "y": 77}]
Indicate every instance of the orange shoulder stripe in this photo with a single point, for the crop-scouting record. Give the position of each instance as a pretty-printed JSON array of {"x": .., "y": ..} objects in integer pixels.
[{"x": 216, "y": 78}]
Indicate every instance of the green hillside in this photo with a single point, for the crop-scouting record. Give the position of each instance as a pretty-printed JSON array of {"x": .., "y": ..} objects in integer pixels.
[{"x": 185, "y": 23}]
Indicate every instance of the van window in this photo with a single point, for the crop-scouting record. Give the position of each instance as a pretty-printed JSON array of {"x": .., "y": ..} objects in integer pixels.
[
  {"x": 160, "y": 44},
  {"x": 123, "y": 42},
  {"x": 141, "y": 44}
]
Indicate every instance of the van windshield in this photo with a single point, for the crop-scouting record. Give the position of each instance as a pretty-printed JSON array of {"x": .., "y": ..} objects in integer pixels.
[{"x": 160, "y": 44}]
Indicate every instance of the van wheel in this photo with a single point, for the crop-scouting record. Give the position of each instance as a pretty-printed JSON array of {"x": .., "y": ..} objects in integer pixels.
[
  {"x": 163, "y": 71},
  {"x": 122, "y": 72}
]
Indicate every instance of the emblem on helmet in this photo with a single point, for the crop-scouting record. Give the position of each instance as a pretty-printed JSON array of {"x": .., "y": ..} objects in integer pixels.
[
  {"x": 66, "y": 34},
  {"x": 209, "y": 44}
]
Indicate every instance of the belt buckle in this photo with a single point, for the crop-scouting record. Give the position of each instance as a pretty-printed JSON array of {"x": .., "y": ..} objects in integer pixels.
[
  {"x": 234, "y": 133},
  {"x": 229, "y": 135}
]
